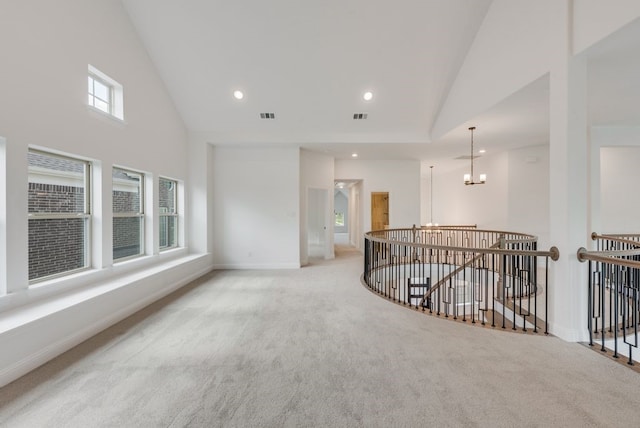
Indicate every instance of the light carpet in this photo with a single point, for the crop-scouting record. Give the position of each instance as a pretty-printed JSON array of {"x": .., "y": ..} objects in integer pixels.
[{"x": 313, "y": 347}]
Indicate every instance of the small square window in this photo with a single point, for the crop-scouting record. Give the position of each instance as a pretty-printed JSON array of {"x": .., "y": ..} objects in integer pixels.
[{"x": 105, "y": 94}]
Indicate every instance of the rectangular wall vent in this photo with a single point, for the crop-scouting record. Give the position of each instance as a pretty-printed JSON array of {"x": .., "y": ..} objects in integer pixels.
[
  {"x": 267, "y": 115},
  {"x": 360, "y": 116}
]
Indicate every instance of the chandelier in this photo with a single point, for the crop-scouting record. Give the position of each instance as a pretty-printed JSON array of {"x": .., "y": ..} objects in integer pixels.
[{"x": 468, "y": 178}]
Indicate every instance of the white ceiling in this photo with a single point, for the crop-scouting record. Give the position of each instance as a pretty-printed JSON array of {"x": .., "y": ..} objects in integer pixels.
[{"x": 310, "y": 63}]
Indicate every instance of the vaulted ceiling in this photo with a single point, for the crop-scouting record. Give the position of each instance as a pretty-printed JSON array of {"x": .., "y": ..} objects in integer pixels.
[{"x": 310, "y": 63}]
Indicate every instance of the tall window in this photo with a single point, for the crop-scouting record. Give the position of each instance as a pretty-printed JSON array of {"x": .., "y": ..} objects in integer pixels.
[
  {"x": 128, "y": 213},
  {"x": 105, "y": 94},
  {"x": 168, "y": 214},
  {"x": 59, "y": 214}
]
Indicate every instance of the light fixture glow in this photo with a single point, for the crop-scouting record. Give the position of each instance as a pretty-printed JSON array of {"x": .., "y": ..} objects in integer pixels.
[
  {"x": 238, "y": 95},
  {"x": 368, "y": 96},
  {"x": 482, "y": 151},
  {"x": 354, "y": 155}
]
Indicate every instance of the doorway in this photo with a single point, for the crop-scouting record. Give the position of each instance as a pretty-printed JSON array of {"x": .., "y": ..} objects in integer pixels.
[
  {"x": 379, "y": 210},
  {"x": 318, "y": 242},
  {"x": 341, "y": 214}
]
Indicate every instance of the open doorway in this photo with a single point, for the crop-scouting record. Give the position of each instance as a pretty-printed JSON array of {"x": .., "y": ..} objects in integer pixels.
[
  {"x": 341, "y": 216},
  {"x": 347, "y": 214}
]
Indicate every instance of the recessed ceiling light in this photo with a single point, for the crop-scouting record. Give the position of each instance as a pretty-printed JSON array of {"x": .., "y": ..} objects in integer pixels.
[
  {"x": 482, "y": 151},
  {"x": 368, "y": 96},
  {"x": 354, "y": 155},
  {"x": 238, "y": 95}
]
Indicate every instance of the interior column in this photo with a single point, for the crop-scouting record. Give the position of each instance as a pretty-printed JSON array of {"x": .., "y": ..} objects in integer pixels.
[{"x": 569, "y": 187}]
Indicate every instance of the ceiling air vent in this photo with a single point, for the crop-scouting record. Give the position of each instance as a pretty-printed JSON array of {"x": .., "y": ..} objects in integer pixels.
[
  {"x": 360, "y": 116},
  {"x": 267, "y": 115}
]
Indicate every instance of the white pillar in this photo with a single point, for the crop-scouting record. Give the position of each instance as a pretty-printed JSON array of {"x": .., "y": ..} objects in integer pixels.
[
  {"x": 199, "y": 199},
  {"x": 569, "y": 190}
]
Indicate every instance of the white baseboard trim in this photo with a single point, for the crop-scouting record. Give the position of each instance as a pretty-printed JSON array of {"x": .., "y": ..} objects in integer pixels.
[
  {"x": 568, "y": 334},
  {"x": 255, "y": 266}
]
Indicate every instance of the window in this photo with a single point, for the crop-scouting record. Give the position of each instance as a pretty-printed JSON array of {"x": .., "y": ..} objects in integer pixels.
[
  {"x": 105, "y": 94},
  {"x": 168, "y": 213},
  {"x": 59, "y": 214},
  {"x": 128, "y": 213},
  {"x": 339, "y": 219},
  {"x": 100, "y": 95}
]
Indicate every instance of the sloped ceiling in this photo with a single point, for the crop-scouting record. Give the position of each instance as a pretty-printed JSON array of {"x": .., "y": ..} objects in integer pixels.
[{"x": 310, "y": 63}]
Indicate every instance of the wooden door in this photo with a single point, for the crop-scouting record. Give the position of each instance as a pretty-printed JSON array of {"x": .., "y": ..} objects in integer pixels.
[{"x": 379, "y": 210}]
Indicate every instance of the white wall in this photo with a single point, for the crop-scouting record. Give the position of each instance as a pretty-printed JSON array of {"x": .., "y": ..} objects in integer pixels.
[
  {"x": 400, "y": 178},
  {"x": 341, "y": 205},
  {"x": 606, "y": 137},
  {"x": 256, "y": 207},
  {"x": 619, "y": 178},
  {"x": 46, "y": 48},
  {"x": 528, "y": 193},
  {"x": 483, "y": 204},
  {"x": 514, "y": 198},
  {"x": 594, "y": 20},
  {"x": 512, "y": 49},
  {"x": 316, "y": 172},
  {"x": 356, "y": 219}
]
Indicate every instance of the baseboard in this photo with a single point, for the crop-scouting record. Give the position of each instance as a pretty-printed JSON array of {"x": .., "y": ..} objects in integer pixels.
[
  {"x": 255, "y": 266},
  {"x": 568, "y": 334},
  {"x": 51, "y": 351}
]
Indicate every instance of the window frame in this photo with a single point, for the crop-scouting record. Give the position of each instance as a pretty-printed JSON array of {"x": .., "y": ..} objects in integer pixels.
[
  {"x": 140, "y": 214},
  {"x": 86, "y": 215},
  {"x": 94, "y": 97},
  {"x": 173, "y": 214},
  {"x": 116, "y": 94}
]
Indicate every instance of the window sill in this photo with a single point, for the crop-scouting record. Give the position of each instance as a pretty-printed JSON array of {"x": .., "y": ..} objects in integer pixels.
[
  {"x": 99, "y": 114},
  {"x": 60, "y": 293}
]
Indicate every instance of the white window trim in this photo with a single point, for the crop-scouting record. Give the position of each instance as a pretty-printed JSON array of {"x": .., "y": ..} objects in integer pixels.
[
  {"x": 116, "y": 94},
  {"x": 174, "y": 214},
  {"x": 140, "y": 214},
  {"x": 86, "y": 216}
]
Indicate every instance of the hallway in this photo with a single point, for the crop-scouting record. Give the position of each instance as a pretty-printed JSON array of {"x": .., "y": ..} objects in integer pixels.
[{"x": 313, "y": 347}]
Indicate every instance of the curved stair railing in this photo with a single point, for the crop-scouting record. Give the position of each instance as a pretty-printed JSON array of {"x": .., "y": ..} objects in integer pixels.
[
  {"x": 488, "y": 277},
  {"x": 614, "y": 292}
]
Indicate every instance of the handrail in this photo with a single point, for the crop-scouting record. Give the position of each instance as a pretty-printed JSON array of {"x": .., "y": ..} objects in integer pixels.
[
  {"x": 609, "y": 256},
  {"x": 492, "y": 274},
  {"x": 614, "y": 291},
  {"x": 553, "y": 252},
  {"x": 619, "y": 238},
  {"x": 444, "y": 280}
]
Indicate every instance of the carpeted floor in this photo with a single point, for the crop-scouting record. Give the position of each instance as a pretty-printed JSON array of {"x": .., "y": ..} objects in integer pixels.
[{"x": 313, "y": 347}]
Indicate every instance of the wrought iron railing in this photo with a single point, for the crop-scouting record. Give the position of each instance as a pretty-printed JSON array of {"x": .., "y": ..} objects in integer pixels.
[
  {"x": 489, "y": 277},
  {"x": 614, "y": 292}
]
